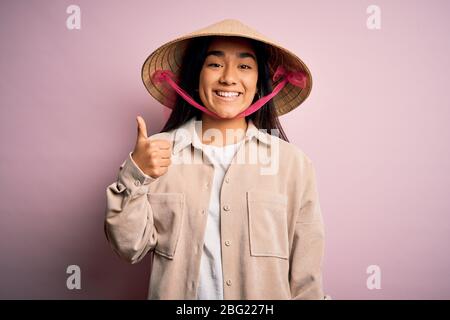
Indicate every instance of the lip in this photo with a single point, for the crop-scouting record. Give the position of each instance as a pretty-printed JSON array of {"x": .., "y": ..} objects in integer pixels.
[{"x": 226, "y": 98}]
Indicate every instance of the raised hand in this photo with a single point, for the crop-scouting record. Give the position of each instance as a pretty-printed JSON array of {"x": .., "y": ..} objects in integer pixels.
[{"x": 152, "y": 156}]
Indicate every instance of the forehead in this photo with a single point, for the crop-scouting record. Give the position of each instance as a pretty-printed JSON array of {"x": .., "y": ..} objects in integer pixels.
[{"x": 231, "y": 44}]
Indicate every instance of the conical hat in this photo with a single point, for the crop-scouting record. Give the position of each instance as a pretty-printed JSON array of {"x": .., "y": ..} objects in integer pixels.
[{"x": 169, "y": 57}]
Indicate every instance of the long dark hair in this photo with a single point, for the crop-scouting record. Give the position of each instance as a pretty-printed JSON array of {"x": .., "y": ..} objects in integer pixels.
[{"x": 192, "y": 63}]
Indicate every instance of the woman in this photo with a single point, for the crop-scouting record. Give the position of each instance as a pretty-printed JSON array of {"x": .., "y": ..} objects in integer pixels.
[{"x": 245, "y": 221}]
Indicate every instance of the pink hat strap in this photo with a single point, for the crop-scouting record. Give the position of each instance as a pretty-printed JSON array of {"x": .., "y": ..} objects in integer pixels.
[
  {"x": 168, "y": 76},
  {"x": 296, "y": 78}
]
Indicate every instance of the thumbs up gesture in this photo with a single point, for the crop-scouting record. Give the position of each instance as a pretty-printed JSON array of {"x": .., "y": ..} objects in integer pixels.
[{"x": 152, "y": 156}]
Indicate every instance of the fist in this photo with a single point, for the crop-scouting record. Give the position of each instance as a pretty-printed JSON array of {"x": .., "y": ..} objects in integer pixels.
[{"x": 152, "y": 156}]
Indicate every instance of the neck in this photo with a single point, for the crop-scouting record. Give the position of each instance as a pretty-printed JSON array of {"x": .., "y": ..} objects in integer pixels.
[{"x": 230, "y": 131}]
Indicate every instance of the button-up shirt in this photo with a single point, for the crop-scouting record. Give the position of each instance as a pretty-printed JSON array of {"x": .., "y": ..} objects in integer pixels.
[
  {"x": 210, "y": 284},
  {"x": 272, "y": 235}
]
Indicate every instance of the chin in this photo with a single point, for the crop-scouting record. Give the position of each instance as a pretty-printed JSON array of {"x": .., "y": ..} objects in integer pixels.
[{"x": 230, "y": 114}]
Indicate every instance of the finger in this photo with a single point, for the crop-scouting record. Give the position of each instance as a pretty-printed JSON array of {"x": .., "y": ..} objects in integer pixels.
[
  {"x": 142, "y": 127},
  {"x": 165, "y": 154},
  {"x": 161, "y": 144},
  {"x": 164, "y": 162}
]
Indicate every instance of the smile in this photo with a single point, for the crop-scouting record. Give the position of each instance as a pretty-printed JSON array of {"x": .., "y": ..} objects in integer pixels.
[{"x": 227, "y": 96}]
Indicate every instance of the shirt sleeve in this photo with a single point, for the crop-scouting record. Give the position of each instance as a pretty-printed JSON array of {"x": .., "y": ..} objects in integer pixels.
[
  {"x": 128, "y": 224},
  {"x": 305, "y": 274}
]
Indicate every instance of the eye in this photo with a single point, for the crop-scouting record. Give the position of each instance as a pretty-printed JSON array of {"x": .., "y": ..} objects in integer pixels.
[
  {"x": 213, "y": 64},
  {"x": 246, "y": 66}
]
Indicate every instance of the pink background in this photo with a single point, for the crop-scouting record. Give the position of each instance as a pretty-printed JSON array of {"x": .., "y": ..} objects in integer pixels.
[{"x": 376, "y": 125}]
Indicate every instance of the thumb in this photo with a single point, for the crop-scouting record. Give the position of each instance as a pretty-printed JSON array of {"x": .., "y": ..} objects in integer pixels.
[{"x": 142, "y": 128}]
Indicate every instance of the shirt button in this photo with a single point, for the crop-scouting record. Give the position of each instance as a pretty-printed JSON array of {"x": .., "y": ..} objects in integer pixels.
[
  {"x": 203, "y": 211},
  {"x": 228, "y": 282},
  {"x": 227, "y": 243},
  {"x": 227, "y": 180},
  {"x": 137, "y": 183},
  {"x": 226, "y": 207}
]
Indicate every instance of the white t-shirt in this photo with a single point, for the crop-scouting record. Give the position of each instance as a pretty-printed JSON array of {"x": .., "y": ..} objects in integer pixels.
[{"x": 210, "y": 285}]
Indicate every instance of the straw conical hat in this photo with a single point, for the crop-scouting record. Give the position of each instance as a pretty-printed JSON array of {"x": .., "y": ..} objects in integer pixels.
[{"x": 169, "y": 57}]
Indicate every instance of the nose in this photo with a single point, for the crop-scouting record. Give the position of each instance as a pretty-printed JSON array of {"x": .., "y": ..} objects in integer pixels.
[{"x": 228, "y": 76}]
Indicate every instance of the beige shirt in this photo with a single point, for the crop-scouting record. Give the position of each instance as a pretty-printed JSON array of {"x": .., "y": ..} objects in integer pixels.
[
  {"x": 272, "y": 236},
  {"x": 210, "y": 286}
]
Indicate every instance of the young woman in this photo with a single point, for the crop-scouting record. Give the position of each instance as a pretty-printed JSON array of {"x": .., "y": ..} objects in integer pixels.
[{"x": 244, "y": 222}]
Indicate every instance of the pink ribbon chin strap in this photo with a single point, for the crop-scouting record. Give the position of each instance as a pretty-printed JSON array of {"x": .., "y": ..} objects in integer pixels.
[{"x": 296, "y": 78}]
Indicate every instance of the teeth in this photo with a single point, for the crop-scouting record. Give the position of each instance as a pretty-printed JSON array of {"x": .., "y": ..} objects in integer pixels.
[{"x": 227, "y": 94}]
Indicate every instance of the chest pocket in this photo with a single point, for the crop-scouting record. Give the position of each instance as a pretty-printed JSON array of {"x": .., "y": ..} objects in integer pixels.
[
  {"x": 167, "y": 211},
  {"x": 267, "y": 221}
]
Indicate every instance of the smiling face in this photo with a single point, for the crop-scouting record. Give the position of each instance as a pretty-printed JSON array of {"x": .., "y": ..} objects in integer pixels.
[{"x": 228, "y": 77}]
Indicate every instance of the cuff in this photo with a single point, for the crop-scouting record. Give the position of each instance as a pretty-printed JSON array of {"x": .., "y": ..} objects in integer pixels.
[{"x": 132, "y": 177}]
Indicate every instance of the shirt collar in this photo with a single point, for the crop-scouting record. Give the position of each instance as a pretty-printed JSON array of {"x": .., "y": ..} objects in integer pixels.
[{"x": 186, "y": 134}]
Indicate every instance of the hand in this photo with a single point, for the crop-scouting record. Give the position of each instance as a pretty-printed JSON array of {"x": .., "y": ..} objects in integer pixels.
[{"x": 152, "y": 156}]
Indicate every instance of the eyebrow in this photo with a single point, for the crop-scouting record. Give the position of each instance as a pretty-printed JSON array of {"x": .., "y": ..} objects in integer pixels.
[{"x": 219, "y": 53}]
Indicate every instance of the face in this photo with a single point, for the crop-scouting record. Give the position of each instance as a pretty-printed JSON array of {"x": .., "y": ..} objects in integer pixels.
[{"x": 228, "y": 76}]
